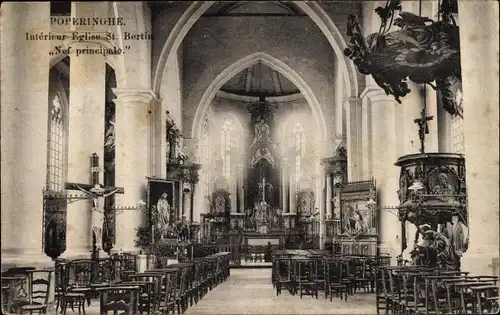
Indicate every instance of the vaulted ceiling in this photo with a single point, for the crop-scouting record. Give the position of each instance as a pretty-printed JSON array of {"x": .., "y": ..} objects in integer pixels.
[
  {"x": 248, "y": 8},
  {"x": 260, "y": 80}
]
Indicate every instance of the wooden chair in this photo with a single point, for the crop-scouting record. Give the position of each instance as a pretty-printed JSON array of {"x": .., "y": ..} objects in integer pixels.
[
  {"x": 40, "y": 289},
  {"x": 382, "y": 296},
  {"x": 319, "y": 272},
  {"x": 150, "y": 291},
  {"x": 118, "y": 298},
  {"x": 486, "y": 299},
  {"x": 169, "y": 287},
  {"x": 304, "y": 277},
  {"x": 283, "y": 275},
  {"x": 334, "y": 279},
  {"x": 63, "y": 296},
  {"x": 9, "y": 286},
  {"x": 79, "y": 278}
]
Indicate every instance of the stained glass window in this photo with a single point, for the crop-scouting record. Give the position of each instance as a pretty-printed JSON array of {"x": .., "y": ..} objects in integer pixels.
[
  {"x": 56, "y": 146},
  {"x": 299, "y": 142},
  {"x": 205, "y": 157},
  {"x": 227, "y": 143},
  {"x": 457, "y": 133}
]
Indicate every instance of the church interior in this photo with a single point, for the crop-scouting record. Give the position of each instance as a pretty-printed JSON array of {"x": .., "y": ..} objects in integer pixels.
[{"x": 250, "y": 157}]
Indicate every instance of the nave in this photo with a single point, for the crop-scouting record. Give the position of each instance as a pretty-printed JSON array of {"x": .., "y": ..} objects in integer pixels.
[
  {"x": 250, "y": 291},
  {"x": 245, "y": 134}
]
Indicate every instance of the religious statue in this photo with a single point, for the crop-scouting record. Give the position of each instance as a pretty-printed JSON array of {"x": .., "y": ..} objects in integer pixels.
[
  {"x": 434, "y": 250},
  {"x": 336, "y": 206},
  {"x": 357, "y": 224},
  {"x": 458, "y": 234},
  {"x": 263, "y": 153},
  {"x": 422, "y": 50},
  {"x": 261, "y": 132},
  {"x": 163, "y": 211},
  {"x": 173, "y": 135},
  {"x": 110, "y": 135},
  {"x": 56, "y": 110},
  {"x": 98, "y": 194}
]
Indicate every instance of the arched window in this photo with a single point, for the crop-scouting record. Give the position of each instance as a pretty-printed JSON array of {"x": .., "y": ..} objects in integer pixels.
[
  {"x": 299, "y": 142},
  {"x": 457, "y": 134},
  {"x": 56, "y": 145},
  {"x": 205, "y": 157},
  {"x": 227, "y": 143}
]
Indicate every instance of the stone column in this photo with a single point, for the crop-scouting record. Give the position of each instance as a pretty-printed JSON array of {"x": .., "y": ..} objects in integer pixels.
[
  {"x": 241, "y": 188},
  {"x": 292, "y": 187},
  {"x": 24, "y": 120},
  {"x": 353, "y": 121},
  {"x": 234, "y": 187},
  {"x": 329, "y": 196},
  {"x": 186, "y": 195},
  {"x": 479, "y": 52},
  {"x": 86, "y": 136},
  {"x": 366, "y": 139},
  {"x": 284, "y": 185},
  {"x": 384, "y": 154},
  {"x": 131, "y": 167}
]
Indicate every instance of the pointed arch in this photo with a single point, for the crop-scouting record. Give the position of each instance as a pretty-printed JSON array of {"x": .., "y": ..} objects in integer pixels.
[
  {"x": 311, "y": 8},
  {"x": 244, "y": 63}
]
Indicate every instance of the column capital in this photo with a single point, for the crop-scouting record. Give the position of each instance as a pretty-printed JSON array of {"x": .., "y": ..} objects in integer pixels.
[
  {"x": 133, "y": 95},
  {"x": 376, "y": 94},
  {"x": 351, "y": 101}
]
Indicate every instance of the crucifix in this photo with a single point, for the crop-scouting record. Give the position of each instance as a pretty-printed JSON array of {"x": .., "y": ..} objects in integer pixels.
[
  {"x": 263, "y": 185},
  {"x": 98, "y": 193},
  {"x": 423, "y": 127}
]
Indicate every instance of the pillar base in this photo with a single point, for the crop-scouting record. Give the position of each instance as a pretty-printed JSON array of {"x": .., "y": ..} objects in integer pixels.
[
  {"x": 483, "y": 261},
  {"x": 76, "y": 254},
  {"x": 142, "y": 263},
  {"x": 131, "y": 250},
  {"x": 37, "y": 260},
  {"x": 389, "y": 249}
]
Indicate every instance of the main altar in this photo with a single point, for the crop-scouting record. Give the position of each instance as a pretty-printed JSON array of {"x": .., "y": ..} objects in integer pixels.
[{"x": 262, "y": 220}]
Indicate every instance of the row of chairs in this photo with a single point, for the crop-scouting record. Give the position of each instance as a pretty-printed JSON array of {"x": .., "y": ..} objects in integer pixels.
[
  {"x": 161, "y": 290},
  {"x": 423, "y": 290},
  {"x": 75, "y": 280},
  {"x": 309, "y": 274}
]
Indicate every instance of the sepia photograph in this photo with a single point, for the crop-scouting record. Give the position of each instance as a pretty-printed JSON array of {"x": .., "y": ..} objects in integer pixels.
[{"x": 250, "y": 157}]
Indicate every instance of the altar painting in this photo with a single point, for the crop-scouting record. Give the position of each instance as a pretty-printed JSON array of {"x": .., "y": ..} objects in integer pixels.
[{"x": 161, "y": 206}]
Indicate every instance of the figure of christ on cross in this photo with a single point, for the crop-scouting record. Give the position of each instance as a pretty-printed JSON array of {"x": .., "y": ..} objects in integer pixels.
[
  {"x": 98, "y": 193},
  {"x": 423, "y": 127},
  {"x": 263, "y": 186}
]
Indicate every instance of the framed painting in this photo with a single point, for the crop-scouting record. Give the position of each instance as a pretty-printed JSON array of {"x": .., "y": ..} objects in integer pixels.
[{"x": 161, "y": 206}]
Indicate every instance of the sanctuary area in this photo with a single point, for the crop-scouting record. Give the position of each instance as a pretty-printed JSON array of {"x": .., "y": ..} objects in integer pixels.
[{"x": 250, "y": 157}]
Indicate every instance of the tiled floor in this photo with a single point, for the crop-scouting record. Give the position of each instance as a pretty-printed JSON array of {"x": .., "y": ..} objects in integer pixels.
[{"x": 249, "y": 291}]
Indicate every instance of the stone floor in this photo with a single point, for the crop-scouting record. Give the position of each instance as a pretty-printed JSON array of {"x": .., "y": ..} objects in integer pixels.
[{"x": 250, "y": 291}]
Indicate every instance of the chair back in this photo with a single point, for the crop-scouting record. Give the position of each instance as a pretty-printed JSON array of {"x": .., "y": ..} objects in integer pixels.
[
  {"x": 41, "y": 286},
  {"x": 115, "y": 299},
  {"x": 334, "y": 271}
]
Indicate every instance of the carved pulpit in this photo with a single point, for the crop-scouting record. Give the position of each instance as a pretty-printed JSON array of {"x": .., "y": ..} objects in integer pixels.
[{"x": 433, "y": 197}]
